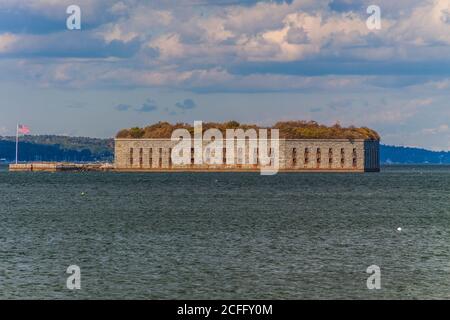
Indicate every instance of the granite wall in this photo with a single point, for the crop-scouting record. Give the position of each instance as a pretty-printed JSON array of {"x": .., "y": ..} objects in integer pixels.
[{"x": 294, "y": 155}]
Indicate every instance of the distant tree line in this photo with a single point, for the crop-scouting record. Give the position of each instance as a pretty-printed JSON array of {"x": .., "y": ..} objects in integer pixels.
[
  {"x": 408, "y": 155},
  {"x": 57, "y": 148},
  {"x": 81, "y": 149},
  {"x": 95, "y": 145}
]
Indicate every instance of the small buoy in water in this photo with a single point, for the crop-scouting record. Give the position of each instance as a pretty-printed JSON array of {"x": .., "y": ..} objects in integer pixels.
[
  {"x": 83, "y": 193},
  {"x": 399, "y": 229}
]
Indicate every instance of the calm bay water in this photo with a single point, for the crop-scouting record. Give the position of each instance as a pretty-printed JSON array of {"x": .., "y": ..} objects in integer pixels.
[{"x": 226, "y": 235}]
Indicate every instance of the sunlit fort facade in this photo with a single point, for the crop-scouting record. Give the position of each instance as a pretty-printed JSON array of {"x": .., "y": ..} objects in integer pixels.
[{"x": 295, "y": 155}]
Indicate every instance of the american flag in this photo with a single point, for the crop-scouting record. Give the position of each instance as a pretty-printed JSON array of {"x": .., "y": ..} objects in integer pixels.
[{"x": 23, "y": 129}]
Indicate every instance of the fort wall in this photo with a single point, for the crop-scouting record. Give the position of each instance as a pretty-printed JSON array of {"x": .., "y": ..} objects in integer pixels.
[{"x": 356, "y": 155}]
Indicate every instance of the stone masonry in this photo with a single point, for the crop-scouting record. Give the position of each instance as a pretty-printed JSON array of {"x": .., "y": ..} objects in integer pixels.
[{"x": 336, "y": 155}]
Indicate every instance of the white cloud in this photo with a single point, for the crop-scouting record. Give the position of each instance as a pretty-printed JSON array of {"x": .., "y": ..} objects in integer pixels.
[
  {"x": 443, "y": 128},
  {"x": 169, "y": 46},
  {"x": 428, "y": 24},
  {"x": 115, "y": 32},
  {"x": 7, "y": 41},
  {"x": 197, "y": 37}
]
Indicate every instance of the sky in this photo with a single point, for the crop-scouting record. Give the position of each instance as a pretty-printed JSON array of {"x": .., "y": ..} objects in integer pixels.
[{"x": 134, "y": 63}]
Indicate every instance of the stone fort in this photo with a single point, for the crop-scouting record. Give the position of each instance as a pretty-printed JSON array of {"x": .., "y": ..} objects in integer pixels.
[{"x": 336, "y": 155}]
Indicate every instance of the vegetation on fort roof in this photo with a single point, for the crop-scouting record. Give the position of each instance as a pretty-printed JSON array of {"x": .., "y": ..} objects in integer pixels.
[{"x": 288, "y": 130}]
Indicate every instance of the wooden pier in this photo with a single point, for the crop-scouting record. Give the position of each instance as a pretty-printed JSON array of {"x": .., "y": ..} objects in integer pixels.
[{"x": 60, "y": 166}]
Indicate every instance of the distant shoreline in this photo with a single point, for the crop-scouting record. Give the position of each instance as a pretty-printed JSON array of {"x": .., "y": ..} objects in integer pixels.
[{"x": 86, "y": 150}]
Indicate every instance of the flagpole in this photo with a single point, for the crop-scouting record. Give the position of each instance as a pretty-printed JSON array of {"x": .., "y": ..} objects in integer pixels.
[{"x": 17, "y": 142}]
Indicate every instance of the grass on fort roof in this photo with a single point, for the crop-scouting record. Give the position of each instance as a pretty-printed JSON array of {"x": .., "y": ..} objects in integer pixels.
[{"x": 288, "y": 130}]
